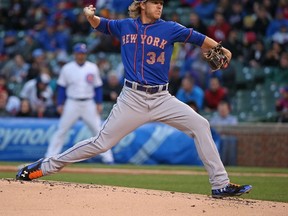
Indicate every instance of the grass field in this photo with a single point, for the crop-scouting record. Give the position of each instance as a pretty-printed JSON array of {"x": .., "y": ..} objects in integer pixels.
[{"x": 268, "y": 183}]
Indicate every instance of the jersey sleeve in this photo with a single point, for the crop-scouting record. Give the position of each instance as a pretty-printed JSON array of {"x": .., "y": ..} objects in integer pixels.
[
  {"x": 61, "y": 79},
  {"x": 97, "y": 81},
  {"x": 112, "y": 27},
  {"x": 186, "y": 35}
]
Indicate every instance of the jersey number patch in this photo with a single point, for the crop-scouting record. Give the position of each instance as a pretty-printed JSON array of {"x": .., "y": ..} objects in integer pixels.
[{"x": 153, "y": 58}]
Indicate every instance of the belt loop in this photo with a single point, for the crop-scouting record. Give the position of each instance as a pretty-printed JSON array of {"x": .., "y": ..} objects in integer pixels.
[
  {"x": 134, "y": 85},
  {"x": 160, "y": 88}
]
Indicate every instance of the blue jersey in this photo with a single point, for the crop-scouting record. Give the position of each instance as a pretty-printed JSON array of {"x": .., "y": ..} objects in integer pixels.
[{"x": 146, "y": 49}]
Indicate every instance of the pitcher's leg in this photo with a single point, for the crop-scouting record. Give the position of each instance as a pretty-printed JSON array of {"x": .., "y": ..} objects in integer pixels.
[
  {"x": 179, "y": 115},
  {"x": 122, "y": 120}
]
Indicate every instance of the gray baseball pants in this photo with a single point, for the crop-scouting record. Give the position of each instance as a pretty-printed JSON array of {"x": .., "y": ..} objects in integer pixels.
[{"x": 135, "y": 108}]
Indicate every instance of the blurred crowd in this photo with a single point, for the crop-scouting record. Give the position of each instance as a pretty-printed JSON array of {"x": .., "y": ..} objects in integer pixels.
[{"x": 37, "y": 36}]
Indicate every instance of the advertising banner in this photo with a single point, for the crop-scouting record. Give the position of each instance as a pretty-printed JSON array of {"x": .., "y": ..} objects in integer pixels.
[{"x": 26, "y": 139}]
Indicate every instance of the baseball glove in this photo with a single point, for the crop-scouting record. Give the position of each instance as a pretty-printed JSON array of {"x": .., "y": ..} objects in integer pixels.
[{"x": 216, "y": 58}]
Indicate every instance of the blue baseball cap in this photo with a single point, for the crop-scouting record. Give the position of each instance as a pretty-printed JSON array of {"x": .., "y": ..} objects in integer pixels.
[
  {"x": 80, "y": 48},
  {"x": 37, "y": 52}
]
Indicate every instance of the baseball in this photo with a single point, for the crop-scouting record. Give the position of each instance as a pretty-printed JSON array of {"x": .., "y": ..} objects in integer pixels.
[{"x": 88, "y": 11}]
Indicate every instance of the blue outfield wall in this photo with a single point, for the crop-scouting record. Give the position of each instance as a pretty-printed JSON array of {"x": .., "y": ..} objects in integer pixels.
[{"x": 26, "y": 139}]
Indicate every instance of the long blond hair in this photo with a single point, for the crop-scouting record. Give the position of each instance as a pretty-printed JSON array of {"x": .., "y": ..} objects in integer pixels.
[{"x": 134, "y": 9}]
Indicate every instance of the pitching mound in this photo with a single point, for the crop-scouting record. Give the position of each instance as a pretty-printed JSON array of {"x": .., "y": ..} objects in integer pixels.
[{"x": 48, "y": 198}]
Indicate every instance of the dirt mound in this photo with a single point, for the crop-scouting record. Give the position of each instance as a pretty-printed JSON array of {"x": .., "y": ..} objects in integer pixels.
[{"x": 48, "y": 198}]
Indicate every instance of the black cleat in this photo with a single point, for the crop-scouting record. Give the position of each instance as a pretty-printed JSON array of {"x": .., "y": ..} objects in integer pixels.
[
  {"x": 231, "y": 190},
  {"x": 30, "y": 172}
]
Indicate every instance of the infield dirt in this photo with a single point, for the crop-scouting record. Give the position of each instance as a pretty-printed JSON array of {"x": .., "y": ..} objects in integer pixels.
[{"x": 48, "y": 198}]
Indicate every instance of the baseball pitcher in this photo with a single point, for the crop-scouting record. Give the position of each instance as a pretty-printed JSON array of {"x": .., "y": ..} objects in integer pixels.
[{"x": 146, "y": 47}]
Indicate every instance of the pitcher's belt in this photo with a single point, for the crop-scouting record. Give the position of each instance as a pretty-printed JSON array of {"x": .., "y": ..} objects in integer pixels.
[{"x": 147, "y": 89}]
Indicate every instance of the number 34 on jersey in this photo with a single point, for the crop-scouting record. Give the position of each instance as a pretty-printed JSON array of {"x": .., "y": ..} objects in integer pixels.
[{"x": 149, "y": 40}]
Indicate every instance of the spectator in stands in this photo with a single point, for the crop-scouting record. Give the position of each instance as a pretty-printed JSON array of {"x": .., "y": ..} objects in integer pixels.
[
  {"x": 48, "y": 71},
  {"x": 220, "y": 29},
  {"x": 80, "y": 28},
  {"x": 280, "y": 74},
  {"x": 39, "y": 61},
  {"x": 16, "y": 69},
  {"x": 27, "y": 44},
  {"x": 281, "y": 36},
  {"x": 174, "y": 80},
  {"x": 214, "y": 94},
  {"x": 111, "y": 88},
  {"x": 234, "y": 45},
  {"x": 53, "y": 38},
  {"x": 223, "y": 117},
  {"x": 25, "y": 109},
  {"x": 189, "y": 91},
  {"x": 248, "y": 24},
  {"x": 248, "y": 40},
  {"x": 223, "y": 6},
  {"x": 3, "y": 103},
  {"x": 9, "y": 104},
  {"x": 282, "y": 105},
  {"x": 10, "y": 43},
  {"x": 206, "y": 9},
  {"x": 13, "y": 104},
  {"x": 273, "y": 54},
  {"x": 40, "y": 96},
  {"x": 13, "y": 100},
  {"x": 175, "y": 17},
  {"x": 236, "y": 15},
  {"x": 197, "y": 23},
  {"x": 270, "y": 6},
  {"x": 256, "y": 56},
  {"x": 275, "y": 24},
  {"x": 262, "y": 20}
]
